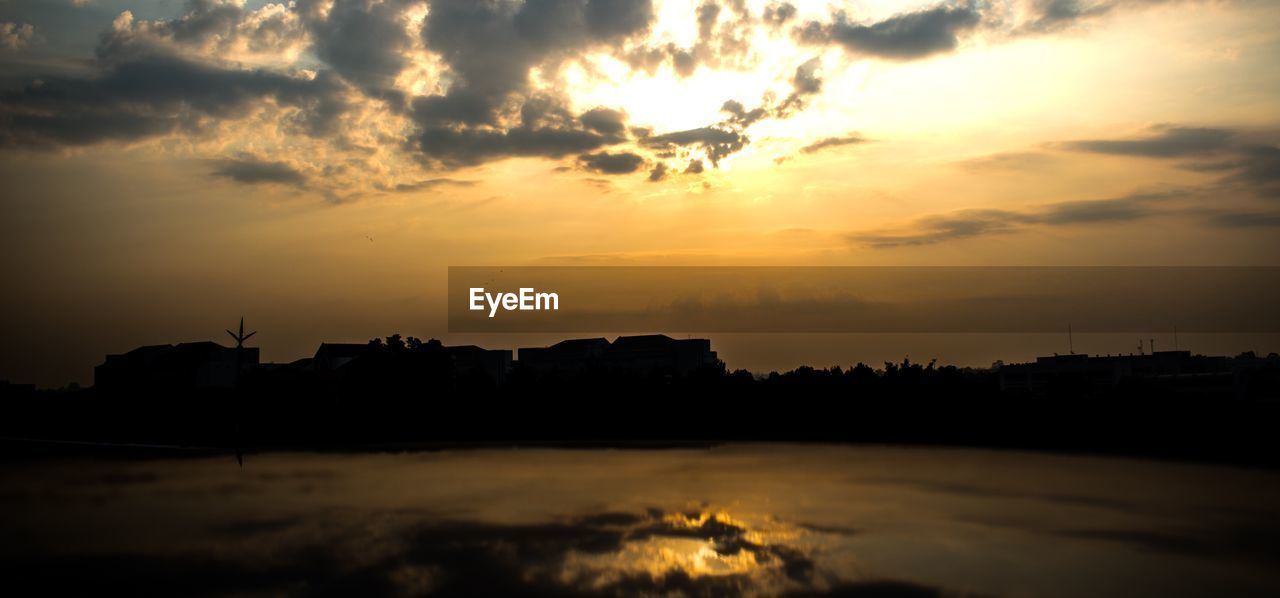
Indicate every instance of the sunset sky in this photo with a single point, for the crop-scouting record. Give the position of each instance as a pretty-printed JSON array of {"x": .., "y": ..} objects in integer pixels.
[{"x": 168, "y": 166}]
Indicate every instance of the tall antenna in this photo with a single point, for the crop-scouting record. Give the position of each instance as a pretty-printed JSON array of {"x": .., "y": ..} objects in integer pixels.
[
  {"x": 1140, "y": 347},
  {"x": 1071, "y": 343},
  {"x": 242, "y": 337},
  {"x": 1152, "y": 342}
]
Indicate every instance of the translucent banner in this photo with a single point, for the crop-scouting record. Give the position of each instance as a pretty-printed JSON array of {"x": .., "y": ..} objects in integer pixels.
[{"x": 863, "y": 299}]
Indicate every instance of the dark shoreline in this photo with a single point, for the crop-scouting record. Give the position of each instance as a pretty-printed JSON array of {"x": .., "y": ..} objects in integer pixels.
[{"x": 31, "y": 449}]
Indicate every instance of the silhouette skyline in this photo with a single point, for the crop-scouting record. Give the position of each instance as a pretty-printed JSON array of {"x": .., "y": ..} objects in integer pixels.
[{"x": 403, "y": 390}]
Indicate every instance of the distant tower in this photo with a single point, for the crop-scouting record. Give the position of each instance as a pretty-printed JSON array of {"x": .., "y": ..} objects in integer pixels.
[
  {"x": 1152, "y": 342},
  {"x": 240, "y": 339},
  {"x": 1071, "y": 343},
  {"x": 1140, "y": 347}
]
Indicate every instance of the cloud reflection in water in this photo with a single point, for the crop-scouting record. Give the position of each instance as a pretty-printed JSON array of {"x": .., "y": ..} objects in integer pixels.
[{"x": 737, "y": 520}]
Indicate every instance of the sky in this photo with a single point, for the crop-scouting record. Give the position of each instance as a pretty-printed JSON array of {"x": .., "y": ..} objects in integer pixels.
[{"x": 168, "y": 166}]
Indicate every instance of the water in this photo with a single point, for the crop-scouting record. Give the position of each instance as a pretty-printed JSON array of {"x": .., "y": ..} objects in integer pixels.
[{"x": 744, "y": 519}]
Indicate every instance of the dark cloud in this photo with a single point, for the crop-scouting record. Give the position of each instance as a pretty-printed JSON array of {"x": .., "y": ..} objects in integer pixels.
[
  {"x": 1048, "y": 16},
  {"x": 695, "y": 167},
  {"x": 608, "y": 19},
  {"x": 364, "y": 42},
  {"x": 1166, "y": 142},
  {"x": 905, "y": 36},
  {"x": 464, "y": 146},
  {"x": 1245, "y": 219},
  {"x": 777, "y": 14},
  {"x": 1052, "y": 15},
  {"x": 658, "y": 173},
  {"x": 740, "y": 116},
  {"x": 717, "y": 142},
  {"x": 602, "y": 184},
  {"x": 708, "y": 13},
  {"x": 155, "y": 96},
  {"x": 428, "y": 184},
  {"x": 726, "y": 137},
  {"x": 946, "y": 227},
  {"x": 251, "y": 170},
  {"x": 490, "y": 49},
  {"x": 605, "y": 121},
  {"x": 723, "y": 41},
  {"x": 974, "y": 223},
  {"x": 804, "y": 83},
  {"x": 1257, "y": 166},
  {"x": 215, "y": 26},
  {"x": 829, "y": 142},
  {"x": 607, "y": 163},
  {"x": 1099, "y": 210},
  {"x": 1251, "y": 165}
]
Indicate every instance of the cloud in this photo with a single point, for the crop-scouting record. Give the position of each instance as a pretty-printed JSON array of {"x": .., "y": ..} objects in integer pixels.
[
  {"x": 776, "y": 14},
  {"x": 217, "y": 30},
  {"x": 1164, "y": 142},
  {"x": 804, "y": 83},
  {"x": 605, "y": 121},
  {"x": 658, "y": 173},
  {"x": 716, "y": 142},
  {"x": 723, "y": 42},
  {"x": 428, "y": 184},
  {"x": 252, "y": 170},
  {"x": 1049, "y": 16},
  {"x": 1245, "y": 219},
  {"x": 365, "y": 42},
  {"x": 157, "y": 96},
  {"x": 16, "y": 36},
  {"x": 454, "y": 147},
  {"x": 945, "y": 227},
  {"x": 1121, "y": 209},
  {"x": 963, "y": 224},
  {"x": 740, "y": 116},
  {"x": 829, "y": 142},
  {"x": 695, "y": 167},
  {"x": 490, "y": 50},
  {"x": 447, "y": 84},
  {"x": 1053, "y": 15},
  {"x": 1253, "y": 165},
  {"x": 607, "y": 163},
  {"x": 1257, "y": 166},
  {"x": 907, "y": 36}
]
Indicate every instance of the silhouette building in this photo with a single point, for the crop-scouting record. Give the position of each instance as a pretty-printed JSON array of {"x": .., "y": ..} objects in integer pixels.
[
  {"x": 332, "y": 356},
  {"x": 1179, "y": 371},
  {"x": 470, "y": 360},
  {"x": 197, "y": 365},
  {"x": 647, "y": 354}
]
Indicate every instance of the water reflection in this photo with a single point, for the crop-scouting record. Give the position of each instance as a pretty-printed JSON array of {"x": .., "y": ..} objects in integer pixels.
[{"x": 738, "y": 520}]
